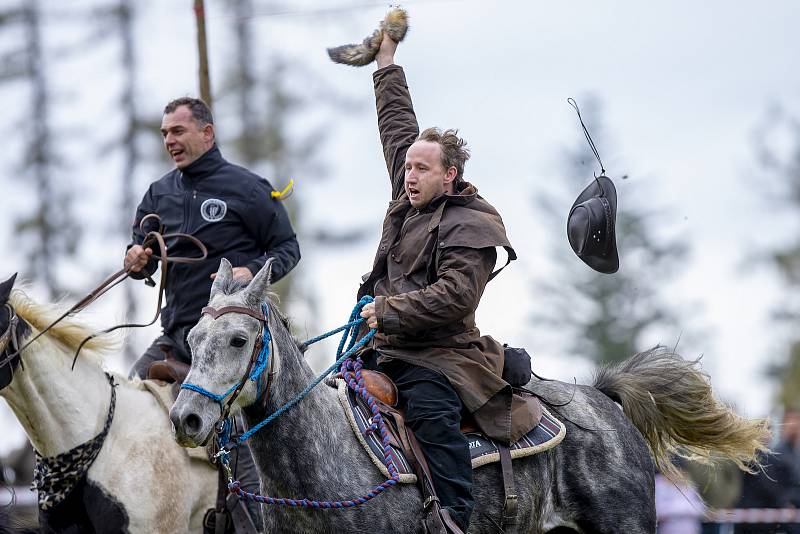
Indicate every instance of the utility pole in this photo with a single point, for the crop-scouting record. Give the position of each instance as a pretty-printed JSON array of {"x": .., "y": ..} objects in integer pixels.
[{"x": 205, "y": 84}]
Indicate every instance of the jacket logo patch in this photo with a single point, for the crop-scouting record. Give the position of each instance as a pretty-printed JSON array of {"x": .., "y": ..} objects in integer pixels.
[{"x": 213, "y": 209}]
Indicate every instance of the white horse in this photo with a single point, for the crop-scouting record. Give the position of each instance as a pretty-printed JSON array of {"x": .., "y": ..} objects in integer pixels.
[{"x": 141, "y": 480}]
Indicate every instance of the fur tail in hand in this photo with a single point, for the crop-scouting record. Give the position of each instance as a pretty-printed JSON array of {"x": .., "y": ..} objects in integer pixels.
[
  {"x": 395, "y": 25},
  {"x": 669, "y": 400}
]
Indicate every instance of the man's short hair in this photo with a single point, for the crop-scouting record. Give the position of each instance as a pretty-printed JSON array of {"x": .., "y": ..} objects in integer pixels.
[
  {"x": 200, "y": 110},
  {"x": 454, "y": 149}
]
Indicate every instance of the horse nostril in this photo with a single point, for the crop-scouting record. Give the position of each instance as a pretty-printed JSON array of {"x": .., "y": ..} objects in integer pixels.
[{"x": 192, "y": 423}]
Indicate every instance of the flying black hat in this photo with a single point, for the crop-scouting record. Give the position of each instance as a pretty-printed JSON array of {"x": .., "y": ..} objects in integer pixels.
[{"x": 591, "y": 226}]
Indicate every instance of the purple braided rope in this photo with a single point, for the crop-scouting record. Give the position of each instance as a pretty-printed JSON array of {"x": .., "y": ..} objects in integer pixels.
[{"x": 351, "y": 372}]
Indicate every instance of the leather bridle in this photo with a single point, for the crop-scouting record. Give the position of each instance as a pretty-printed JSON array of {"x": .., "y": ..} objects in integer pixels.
[
  {"x": 9, "y": 339},
  {"x": 263, "y": 320}
]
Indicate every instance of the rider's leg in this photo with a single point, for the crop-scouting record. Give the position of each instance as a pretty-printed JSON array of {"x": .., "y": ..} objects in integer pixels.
[
  {"x": 247, "y": 475},
  {"x": 153, "y": 353},
  {"x": 173, "y": 342},
  {"x": 433, "y": 412}
]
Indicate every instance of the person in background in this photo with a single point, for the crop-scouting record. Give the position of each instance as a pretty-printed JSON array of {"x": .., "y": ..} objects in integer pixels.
[
  {"x": 232, "y": 212},
  {"x": 679, "y": 508}
]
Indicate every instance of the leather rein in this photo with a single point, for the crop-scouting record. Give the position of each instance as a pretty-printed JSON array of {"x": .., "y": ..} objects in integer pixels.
[{"x": 151, "y": 238}]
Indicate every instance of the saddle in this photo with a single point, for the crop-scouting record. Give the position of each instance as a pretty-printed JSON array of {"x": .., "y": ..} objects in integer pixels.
[
  {"x": 408, "y": 455},
  {"x": 383, "y": 389},
  {"x": 170, "y": 369},
  {"x": 437, "y": 520}
]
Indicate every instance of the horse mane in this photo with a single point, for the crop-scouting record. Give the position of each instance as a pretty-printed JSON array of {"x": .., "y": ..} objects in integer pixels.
[
  {"x": 69, "y": 332},
  {"x": 272, "y": 301}
]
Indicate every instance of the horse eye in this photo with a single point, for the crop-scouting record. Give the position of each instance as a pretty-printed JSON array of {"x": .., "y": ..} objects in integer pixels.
[{"x": 238, "y": 341}]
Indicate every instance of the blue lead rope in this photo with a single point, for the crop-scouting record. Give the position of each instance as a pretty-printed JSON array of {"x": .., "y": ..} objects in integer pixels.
[
  {"x": 350, "y": 330},
  {"x": 351, "y": 372}
]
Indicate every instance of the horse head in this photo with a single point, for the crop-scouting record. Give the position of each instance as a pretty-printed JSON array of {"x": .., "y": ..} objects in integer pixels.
[
  {"x": 5, "y": 318},
  {"x": 8, "y": 361},
  {"x": 225, "y": 344}
]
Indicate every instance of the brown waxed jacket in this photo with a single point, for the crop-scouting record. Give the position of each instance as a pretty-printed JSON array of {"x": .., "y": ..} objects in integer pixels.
[{"x": 429, "y": 274}]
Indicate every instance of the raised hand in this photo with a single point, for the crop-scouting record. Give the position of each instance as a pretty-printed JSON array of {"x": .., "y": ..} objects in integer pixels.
[{"x": 385, "y": 55}]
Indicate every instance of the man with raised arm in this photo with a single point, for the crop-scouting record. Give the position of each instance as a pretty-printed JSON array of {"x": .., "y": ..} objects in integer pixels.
[{"x": 436, "y": 255}]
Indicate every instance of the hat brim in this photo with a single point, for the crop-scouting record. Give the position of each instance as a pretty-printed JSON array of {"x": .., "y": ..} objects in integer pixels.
[{"x": 602, "y": 186}]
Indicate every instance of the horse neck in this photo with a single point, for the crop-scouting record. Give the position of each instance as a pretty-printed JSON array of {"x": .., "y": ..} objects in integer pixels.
[
  {"x": 59, "y": 408},
  {"x": 312, "y": 434}
]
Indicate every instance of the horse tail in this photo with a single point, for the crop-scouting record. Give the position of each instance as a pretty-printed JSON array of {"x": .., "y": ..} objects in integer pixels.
[{"x": 670, "y": 401}]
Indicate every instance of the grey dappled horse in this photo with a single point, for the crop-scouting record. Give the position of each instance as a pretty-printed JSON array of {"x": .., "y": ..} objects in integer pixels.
[{"x": 599, "y": 479}]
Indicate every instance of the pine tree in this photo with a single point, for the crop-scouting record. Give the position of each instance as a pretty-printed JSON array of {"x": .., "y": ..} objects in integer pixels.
[
  {"x": 785, "y": 168},
  {"x": 606, "y": 318}
]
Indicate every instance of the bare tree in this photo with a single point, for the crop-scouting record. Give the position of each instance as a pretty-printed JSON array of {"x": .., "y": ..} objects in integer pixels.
[
  {"x": 49, "y": 230},
  {"x": 133, "y": 126},
  {"x": 258, "y": 87}
]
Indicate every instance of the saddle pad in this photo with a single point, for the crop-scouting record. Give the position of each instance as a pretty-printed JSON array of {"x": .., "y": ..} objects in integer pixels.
[
  {"x": 483, "y": 450},
  {"x": 162, "y": 391},
  {"x": 544, "y": 436},
  {"x": 359, "y": 420}
]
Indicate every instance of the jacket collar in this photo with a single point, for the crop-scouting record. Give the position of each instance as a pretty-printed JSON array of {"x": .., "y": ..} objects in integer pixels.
[
  {"x": 462, "y": 197},
  {"x": 204, "y": 166}
]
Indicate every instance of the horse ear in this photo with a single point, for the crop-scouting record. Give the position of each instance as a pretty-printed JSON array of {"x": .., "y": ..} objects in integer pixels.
[
  {"x": 5, "y": 288},
  {"x": 258, "y": 286},
  {"x": 224, "y": 274}
]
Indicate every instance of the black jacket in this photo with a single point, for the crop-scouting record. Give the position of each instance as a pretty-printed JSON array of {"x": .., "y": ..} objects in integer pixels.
[{"x": 231, "y": 211}]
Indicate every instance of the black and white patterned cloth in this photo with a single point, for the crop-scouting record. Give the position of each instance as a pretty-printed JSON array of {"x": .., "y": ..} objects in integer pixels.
[{"x": 55, "y": 477}]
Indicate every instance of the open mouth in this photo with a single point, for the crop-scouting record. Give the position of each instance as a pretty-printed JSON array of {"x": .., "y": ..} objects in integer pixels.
[
  {"x": 177, "y": 154},
  {"x": 413, "y": 193}
]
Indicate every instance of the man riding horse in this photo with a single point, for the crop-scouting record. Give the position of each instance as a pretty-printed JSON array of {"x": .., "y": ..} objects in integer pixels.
[
  {"x": 230, "y": 209},
  {"x": 436, "y": 255}
]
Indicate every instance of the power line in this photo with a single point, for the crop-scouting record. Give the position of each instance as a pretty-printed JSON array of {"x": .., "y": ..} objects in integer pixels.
[{"x": 324, "y": 10}]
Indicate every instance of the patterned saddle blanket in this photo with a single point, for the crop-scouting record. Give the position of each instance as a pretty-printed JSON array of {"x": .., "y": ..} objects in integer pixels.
[{"x": 544, "y": 436}]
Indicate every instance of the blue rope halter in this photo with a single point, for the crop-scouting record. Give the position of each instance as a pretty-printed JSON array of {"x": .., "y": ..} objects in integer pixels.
[
  {"x": 255, "y": 374},
  {"x": 351, "y": 330}
]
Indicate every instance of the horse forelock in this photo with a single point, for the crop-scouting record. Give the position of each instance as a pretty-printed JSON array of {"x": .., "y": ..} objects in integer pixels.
[
  {"x": 234, "y": 286},
  {"x": 69, "y": 332}
]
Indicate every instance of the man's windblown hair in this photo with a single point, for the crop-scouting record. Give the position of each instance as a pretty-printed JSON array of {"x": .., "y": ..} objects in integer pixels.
[{"x": 454, "y": 150}]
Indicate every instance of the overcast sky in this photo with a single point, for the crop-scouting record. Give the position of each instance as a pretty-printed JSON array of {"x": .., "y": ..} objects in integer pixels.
[{"x": 685, "y": 89}]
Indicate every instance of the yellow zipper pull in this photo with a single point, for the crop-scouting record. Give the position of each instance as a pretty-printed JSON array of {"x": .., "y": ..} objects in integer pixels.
[{"x": 286, "y": 193}]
